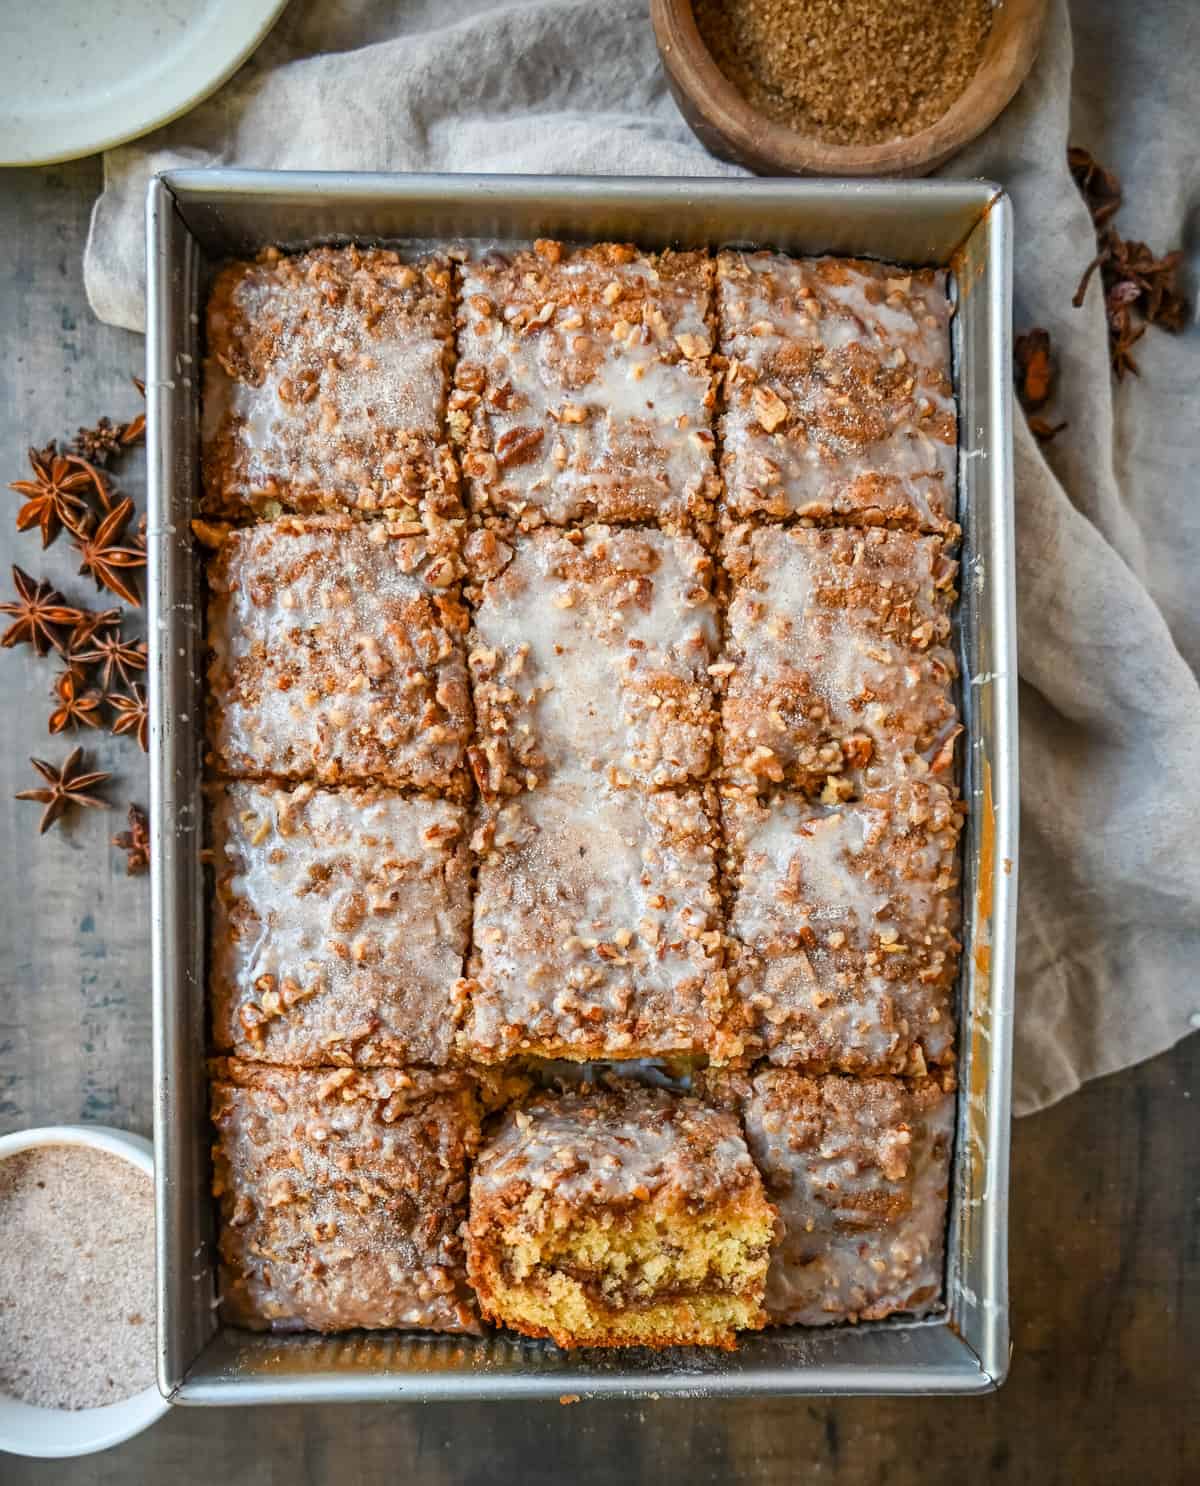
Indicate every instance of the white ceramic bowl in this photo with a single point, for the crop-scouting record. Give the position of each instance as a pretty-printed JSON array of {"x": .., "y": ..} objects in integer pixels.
[{"x": 26, "y": 1430}]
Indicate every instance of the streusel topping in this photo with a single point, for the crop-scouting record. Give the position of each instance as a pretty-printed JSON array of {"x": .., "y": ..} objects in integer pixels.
[
  {"x": 326, "y": 383},
  {"x": 341, "y": 1195},
  {"x": 612, "y": 1147},
  {"x": 583, "y": 386},
  {"x": 843, "y": 920},
  {"x": 838, "y": 395},
  {"x": 597, "y": 927},
  {"x": 859, "y": 1170},
  {"x": 338, "y": 653},
  {"x": 836, "y": 657},
  {"x": 591, "y": 649},
  {"x": 341, "y": 921}
]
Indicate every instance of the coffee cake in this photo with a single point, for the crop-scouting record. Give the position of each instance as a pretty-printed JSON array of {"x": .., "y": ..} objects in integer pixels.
[
  {"x": 341, "y": 919},
  {"x": 836, "y": 658},
  {"x": 598, "y": 928},
  {"x": 337, "y": 654},
  {"x": 619, "y": 1216},
  {"x": 591, "y": 649},
  {"x": 838, "y": 398},
  {"x": 859, "y": 1171},
  {"x": 325, "y": 384},
  {"x": 842, "y": 923},
  {"x": 341, "y": 1194},
  {"x": 583, "y": 390}
]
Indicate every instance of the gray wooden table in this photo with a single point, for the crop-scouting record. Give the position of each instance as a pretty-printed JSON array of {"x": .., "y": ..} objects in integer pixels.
[{"x": 1105, "y": 1233}]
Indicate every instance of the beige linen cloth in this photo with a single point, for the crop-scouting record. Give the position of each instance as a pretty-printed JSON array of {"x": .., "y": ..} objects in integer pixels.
[{"x": 1108, "y": 515}]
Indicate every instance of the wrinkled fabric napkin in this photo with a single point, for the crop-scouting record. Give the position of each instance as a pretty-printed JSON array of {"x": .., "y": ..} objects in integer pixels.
[{"x": 1108, "y": 514}]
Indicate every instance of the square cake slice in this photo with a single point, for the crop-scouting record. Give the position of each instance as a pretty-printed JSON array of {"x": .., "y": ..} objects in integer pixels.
[
  {"x": 859, "y": 1170},
  {"x": 338, "y": 654},
  {"x": 325, "y": 384},
  {"x": 839, "y": 403},
  {"x": 342, "y": 1193},
  {"x": 340, "y": 924},
  {"x": 837, "y": 659},
  {"x": 592, "y": 648},
  {"x": 619, "y": 1216},
  {"x": 842, "y": 924},
  {"x": 583, "y": 390},
  {"x": 598, "y": 928}
]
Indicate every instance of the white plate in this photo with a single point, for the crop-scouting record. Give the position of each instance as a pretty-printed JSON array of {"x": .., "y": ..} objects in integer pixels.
[{"x": 79, "y": 75}]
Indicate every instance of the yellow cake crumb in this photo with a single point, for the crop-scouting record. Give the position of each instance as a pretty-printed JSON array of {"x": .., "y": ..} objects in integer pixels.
[{"x": 622, "y": 1216}]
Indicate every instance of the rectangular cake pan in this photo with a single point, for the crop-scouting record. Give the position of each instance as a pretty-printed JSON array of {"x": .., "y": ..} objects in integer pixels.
[{"x": 196, "y": 218}]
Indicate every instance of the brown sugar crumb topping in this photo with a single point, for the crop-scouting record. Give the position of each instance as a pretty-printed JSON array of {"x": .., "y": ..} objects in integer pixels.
[
  {"x": 342, "y": 1192},
  {"x": 847, "y": 71}
]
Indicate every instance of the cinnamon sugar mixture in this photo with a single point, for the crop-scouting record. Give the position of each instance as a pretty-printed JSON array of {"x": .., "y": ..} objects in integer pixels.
[
  {"x": 76, "y": 1278},
  {"x": 847, "y": 71}
]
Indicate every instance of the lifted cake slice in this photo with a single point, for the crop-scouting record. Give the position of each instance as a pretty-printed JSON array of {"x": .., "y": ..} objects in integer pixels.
[
  {"x": 342, "y": 1193},
  {"x": 619, "y": 1216}
]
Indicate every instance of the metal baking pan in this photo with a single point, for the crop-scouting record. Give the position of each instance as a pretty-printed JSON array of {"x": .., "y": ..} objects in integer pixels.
[{"x": 196, "y": 218}]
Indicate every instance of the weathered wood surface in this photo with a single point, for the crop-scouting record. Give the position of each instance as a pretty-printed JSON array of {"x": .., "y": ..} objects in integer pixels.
[{"x": 1106, "y": 1188}]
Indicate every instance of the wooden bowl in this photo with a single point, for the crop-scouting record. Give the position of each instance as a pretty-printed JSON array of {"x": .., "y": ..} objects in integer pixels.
[{"x": 732, "y": 129}]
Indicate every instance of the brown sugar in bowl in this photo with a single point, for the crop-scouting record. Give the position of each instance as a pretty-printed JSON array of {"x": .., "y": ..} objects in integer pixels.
[{"x": 731, "y": 128}]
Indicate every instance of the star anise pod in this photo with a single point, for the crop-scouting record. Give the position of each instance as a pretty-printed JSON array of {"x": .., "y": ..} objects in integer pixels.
[
  {"x": 75, "y": 706},
  {"x": 1153, "y": 279},
  {"x": 64, "y": 787},
  {"x": 1132, "y": 276},
  {"x": 40, "y": 611},
  {"x": 106, "y": 560},
  {"x": 133, "y": 432},
  {"x": 52, "y": 496},
  {"x": 1100, "y": 187},
  {"x": 99, "y": 442},
  {"x": 1034, "y": 368},
  {"x": 133, "y": 714},
  {"x": 101, "y": 483},
  {"x": 1122, "y": 334},
  {"x": 135, "y": 842},
  {"x": 88, "y": 626},
  {"x": 1165, "y": 306},
  {"x": 114, "y": 654},
  {"x": 104, "y": 439},
  {"x": 1035, "y": 371}
]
